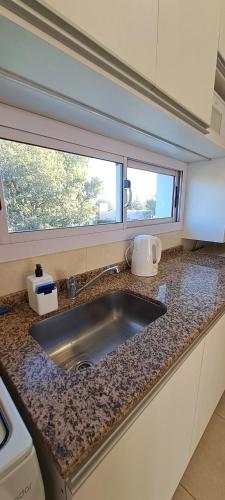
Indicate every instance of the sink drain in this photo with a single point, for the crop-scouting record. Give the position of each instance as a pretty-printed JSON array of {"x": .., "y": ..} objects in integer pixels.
[{"x": 83, "y": 364}]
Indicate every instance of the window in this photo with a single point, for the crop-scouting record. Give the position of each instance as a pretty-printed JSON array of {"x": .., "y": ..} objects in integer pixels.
[
  {"x": 48, "y": 189},
  {"x": 52, "y": 189},
  {"x": 154, "y": 193}
]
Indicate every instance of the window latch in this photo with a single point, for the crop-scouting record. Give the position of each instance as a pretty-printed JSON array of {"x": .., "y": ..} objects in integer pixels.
[{"x": 127, "y": 186}]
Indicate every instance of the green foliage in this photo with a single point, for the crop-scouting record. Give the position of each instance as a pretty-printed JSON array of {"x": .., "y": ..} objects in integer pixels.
[
  {"x": 147, "y": 206},
  {"x": 137, "y": 204},
  {"x": 151, "y": 206},
  {"x": 44, "y": 188}
]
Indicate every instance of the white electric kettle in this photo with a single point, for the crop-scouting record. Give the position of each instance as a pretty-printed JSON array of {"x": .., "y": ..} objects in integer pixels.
[{"x": 145, "y": 256}]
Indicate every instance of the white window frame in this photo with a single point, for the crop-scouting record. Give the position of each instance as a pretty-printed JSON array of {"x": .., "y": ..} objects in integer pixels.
[
  {"x": 22, "y": 126},
  {"x": 149, "y": 167},
  {"x": 46, "y": 234}
]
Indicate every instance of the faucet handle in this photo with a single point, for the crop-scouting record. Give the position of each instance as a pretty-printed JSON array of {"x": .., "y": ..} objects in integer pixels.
[
  {"x": 71, "y": 286},
  {"x": 111, "y": 269}
]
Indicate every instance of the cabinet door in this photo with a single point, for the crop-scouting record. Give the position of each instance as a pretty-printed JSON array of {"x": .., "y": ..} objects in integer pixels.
[
  {"x": 222, "y": 31},
  {"x": 187, "y": 52},
  {"x": 149, "y": 460},
  {"x": 205, "y": 203},
  {"x": 127, "y": 29},
  {"x": 212, "y": 380}
]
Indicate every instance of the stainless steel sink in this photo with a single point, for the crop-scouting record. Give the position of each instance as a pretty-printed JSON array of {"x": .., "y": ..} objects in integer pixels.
[{"x": 83, "y": 335}]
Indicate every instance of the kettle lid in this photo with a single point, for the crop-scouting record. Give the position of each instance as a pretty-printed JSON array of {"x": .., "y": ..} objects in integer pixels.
[{"x": 145, "y": 237}]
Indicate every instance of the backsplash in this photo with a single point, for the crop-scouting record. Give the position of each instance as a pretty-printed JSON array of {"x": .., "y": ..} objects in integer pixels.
[
  {"x": 21, "y": 296},
  {"x": 59, "y": 265}
]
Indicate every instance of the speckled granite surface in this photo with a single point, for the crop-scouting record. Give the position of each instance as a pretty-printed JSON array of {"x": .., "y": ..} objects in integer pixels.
[{"x": 74, "y": 411}]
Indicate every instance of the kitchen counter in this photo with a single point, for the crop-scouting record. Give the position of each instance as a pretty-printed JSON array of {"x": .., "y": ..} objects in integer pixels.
[{"x": 72, "y": 411}]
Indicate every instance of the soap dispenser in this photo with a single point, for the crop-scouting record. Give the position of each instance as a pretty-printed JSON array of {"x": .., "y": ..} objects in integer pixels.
[{"x": 42, "y": 291}]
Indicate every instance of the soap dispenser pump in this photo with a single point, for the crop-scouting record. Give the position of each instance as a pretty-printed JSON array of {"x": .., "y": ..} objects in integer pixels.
[
  {"x": 38, "y": 271},
  {"x": 42, "y": 291}
]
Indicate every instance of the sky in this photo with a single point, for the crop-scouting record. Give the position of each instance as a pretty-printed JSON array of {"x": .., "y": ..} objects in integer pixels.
[{"x": 144, "y": 183}]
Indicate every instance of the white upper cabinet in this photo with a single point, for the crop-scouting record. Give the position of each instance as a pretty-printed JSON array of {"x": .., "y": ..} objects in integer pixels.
[
  {"x": 173, "y": 44},
  {"x": 126, "y": 29},
  {"x": 222, "y": 31},
  {"x": 187, "y": 51}
]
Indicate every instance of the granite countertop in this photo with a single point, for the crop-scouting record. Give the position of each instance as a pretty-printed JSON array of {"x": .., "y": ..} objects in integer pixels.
[{"x": 74, "y": 411}]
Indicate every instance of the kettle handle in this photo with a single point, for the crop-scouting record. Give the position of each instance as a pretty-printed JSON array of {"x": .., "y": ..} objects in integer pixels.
[
  {"x": 128, "y": 261},
  {"x": 159, "y": 250}
]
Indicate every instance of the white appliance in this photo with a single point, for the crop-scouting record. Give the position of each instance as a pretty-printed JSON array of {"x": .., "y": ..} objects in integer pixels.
[
  {"x": 145, "y": 255},
  {"x": 20, "y": 476},
  {"x": 217, "y": 126}
]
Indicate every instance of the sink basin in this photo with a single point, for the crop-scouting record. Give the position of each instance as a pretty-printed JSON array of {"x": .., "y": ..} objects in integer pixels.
[{"x": 83, "y": 335}]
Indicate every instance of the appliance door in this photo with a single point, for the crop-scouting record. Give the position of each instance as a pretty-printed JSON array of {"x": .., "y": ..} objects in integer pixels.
[
  {"x": 16, "y": 442},
  {"x": 24, "y": 481},
  {"x": 4, "y": 431}
]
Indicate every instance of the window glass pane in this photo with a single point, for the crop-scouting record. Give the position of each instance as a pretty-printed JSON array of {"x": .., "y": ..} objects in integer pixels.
[
  {"x": 46, "y": 189},
  {"x": 152, "y": 195}
]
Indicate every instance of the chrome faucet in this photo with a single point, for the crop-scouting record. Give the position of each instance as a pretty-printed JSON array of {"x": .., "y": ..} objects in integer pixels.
[{"x": 72, "y": 286}]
